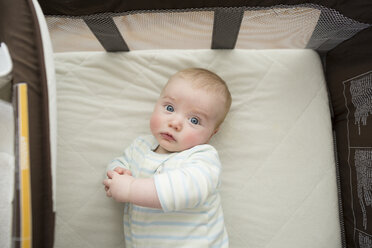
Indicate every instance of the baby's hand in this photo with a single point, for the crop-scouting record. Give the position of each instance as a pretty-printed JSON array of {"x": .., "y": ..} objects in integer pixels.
[
  {"x": 122, "y": 171},
  {"x": 118, "y": 186}
]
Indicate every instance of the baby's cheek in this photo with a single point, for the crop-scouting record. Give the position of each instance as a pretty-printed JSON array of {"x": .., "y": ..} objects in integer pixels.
[
  {"x": 154, "y": 123},
  {"x": 193, "y": 139}
]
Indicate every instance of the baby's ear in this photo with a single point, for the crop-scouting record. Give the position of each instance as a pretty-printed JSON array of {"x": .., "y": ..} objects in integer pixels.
[{"x": 216, "y": 130}]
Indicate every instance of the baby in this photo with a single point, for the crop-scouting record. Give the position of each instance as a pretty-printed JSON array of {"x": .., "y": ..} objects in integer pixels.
[{"x": 170, "y": 180}]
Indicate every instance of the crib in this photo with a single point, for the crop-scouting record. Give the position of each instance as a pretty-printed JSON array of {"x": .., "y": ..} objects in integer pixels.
[{"x": 78, "y": 81}]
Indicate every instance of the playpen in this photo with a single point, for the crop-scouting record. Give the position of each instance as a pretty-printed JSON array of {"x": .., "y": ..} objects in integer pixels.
[{"x": 78, "y": 80}]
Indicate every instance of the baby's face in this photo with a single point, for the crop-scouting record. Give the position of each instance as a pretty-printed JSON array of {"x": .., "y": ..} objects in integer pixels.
[{"x": 184, "y": 116}]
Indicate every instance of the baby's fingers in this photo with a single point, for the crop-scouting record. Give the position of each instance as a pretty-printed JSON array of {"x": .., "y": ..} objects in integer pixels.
[
  {"x": 120, "y": 170},
  {"x": 123, "y": 171},
  {"x": 128, "y": 172},
  {"x": 107, "y": 182},
  {"x": 111, "y": 174}
]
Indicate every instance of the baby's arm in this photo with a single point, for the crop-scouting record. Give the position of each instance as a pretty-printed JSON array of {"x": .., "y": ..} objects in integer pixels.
[
  {"x": 121, "y": 161},
  {"x": 125, "y": 188}
]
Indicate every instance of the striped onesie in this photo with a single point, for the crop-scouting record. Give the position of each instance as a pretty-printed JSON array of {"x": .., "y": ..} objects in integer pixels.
[{"x": 187, "y": 185}]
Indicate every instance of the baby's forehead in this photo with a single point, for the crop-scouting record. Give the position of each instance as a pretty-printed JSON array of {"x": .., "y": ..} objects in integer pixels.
[
  {"x": 172, "y": 89},
  {"x": 194, "y": 84}
]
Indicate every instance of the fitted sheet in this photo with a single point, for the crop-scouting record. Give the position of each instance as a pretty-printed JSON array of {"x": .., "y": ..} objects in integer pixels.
[{"x": 278, "y": 181}]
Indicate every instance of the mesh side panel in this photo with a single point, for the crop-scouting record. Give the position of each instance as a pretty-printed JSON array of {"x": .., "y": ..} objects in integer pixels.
[
  {"x": 71, "y": 35},
  {"x": 332, "y": 29},
  {"x": 302, "y": 26},
  {"x": 277, "y": 28},
  {"x": 173, "y": 30}
]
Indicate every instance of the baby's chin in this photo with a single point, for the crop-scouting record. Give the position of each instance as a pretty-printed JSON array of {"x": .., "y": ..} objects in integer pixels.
[
  {"x": 177, "y": 149},
  {"x": 169, "y": 149},
  {"x": 164, "y": 149}
]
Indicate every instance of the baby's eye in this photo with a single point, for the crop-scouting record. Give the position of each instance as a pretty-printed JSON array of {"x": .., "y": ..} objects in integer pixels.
[
  {"x": 169, "y": 108},
  {"x": 194, "y": 120}
]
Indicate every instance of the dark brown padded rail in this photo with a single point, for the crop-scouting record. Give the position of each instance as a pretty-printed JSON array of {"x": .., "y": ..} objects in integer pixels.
[
  {"x": 349, "y": 76},
  {"x": 20, "y": 31},
  {"x": 359, "y": 10}
]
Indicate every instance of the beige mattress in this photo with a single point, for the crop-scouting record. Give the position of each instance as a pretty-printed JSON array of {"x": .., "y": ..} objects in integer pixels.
[{"x": 278, "y": 181}]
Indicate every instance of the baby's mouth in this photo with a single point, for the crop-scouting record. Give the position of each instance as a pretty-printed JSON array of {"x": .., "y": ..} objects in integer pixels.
[{"x": 167, "y": 136}]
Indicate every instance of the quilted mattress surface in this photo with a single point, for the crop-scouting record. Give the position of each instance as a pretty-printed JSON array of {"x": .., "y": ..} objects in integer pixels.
[{"x": 278, "y": 181}]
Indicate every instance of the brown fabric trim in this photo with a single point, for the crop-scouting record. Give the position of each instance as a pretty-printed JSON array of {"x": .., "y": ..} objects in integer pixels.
[
  {"x": 349, "y": 68},
  {"x": 42, "y": 177},
  {"x": 16, "y": 210},
  {"x": 20, "y": 31},
  {"x": 358, "y": 10},
  {"x": 6, "y": 93}
]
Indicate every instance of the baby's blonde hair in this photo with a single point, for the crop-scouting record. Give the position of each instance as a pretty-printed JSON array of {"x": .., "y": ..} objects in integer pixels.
[{"x": 204, "y": 79}]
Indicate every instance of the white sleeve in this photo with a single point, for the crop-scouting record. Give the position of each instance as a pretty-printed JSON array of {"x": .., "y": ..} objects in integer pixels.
[
  {"x": 122, "y": 161},
  {"x": 190, "y": 185}
]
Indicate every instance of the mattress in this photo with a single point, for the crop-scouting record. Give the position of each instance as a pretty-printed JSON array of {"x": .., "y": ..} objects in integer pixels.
[
  {"x": 278, "y": 181},
  {"x": 6, "y": 172}
]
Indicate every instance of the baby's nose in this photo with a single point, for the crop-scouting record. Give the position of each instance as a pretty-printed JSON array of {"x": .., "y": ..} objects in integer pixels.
[{"x": 176, "y": 124}]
